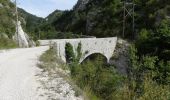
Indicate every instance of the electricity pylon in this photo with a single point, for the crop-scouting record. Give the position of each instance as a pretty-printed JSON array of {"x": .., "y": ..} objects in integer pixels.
[{"x": 128, "y": 11}]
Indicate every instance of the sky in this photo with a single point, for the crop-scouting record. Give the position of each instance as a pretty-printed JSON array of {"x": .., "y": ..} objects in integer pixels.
[{"x": 43, "y": 8}]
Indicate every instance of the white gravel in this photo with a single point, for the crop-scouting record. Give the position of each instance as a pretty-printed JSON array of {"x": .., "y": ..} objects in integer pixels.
[
  {"x": 18, "y": 74},
  {"x": 56, "y": 86}
]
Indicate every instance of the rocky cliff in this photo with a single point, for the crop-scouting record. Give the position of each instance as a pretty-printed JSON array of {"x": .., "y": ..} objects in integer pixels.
[{"x": 81, "y": 5}]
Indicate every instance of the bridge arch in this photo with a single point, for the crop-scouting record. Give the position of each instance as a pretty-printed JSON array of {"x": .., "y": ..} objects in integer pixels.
[{"x": 93, "y": 53}]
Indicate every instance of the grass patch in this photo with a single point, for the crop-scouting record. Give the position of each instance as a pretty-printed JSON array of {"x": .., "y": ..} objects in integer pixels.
[{"x": 49, "y": 61}]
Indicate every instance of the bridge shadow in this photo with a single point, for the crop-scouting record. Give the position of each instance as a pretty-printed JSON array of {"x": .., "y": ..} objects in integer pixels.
[{"x": 94, "y": 58}]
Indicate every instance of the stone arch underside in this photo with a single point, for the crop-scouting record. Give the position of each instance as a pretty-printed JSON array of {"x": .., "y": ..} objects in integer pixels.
[{"x": 88, "y": 55}]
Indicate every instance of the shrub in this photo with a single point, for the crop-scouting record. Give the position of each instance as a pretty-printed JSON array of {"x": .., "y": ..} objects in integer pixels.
[
  {"x": 101, "y": 80},
  {"x": 6, "y": 43},
  {"x": 70, "y": 56}
]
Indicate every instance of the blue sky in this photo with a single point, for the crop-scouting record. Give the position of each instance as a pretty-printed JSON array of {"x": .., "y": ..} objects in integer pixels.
[{"x": 43, "y": 8}]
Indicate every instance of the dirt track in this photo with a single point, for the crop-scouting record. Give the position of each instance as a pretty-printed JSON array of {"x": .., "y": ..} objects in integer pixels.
[{"x": 18, "y": 73}]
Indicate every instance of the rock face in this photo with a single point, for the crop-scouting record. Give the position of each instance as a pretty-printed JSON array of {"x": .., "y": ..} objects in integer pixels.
[
  {"x": 22, "y": 38},
  {"x": 121, "y": 59},
  {"x": 81, "y": 4}
]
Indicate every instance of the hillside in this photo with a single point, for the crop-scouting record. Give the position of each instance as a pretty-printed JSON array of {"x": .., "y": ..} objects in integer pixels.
[
  {"x": 103, "y": 18},
  {"x": 30, "y": 22},
  {"x": 8, "y": 19},
  {"x": 139, "y": 68},
  {"x": 54, "y": 16},
  {"x": 91, "y": 17}
]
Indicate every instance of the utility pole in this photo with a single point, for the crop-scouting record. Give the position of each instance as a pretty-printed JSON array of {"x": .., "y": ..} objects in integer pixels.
[
  {"x": 128, "y": 11},
  {"x": 17, "y": 31}
]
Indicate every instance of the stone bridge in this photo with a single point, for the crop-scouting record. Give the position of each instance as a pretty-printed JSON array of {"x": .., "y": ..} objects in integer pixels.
[{"x": 89, "y": 46}]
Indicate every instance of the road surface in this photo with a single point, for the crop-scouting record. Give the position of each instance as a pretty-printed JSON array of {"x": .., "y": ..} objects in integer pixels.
[{"x": 18, "y": 73}]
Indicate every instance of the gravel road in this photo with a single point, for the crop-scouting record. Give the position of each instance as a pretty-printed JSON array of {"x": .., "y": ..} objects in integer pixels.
[{"x": 18, "y": 73}]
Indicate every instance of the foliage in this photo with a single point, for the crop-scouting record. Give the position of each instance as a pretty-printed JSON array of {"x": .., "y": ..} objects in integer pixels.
[
  {"x": 49, "y": 60},
  {"x": 79, "y": 51},
  {"x": 156, "y": 43},
  {"x": 100, "y": 79},
  {"x": 7, "y": 24},
  {"x": 94, "y": 77},
  {"x": 70, "y": 55},
  {"x": 151, "y": 91},
  {"x": 54, "y": 16},
  {"x": 92, "y": 20},
  {"x": 144, "y": 72},
  {"x": 8, "y": 19},
  {"x": 103, "y": 18},
  {"x": 6, "y": 43}
]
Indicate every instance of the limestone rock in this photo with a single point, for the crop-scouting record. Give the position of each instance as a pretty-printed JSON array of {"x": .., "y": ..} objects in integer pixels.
[{"x": 22, "y": 38}]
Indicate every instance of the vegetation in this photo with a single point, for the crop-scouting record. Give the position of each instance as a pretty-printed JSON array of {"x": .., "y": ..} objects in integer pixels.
[
  {"x": 101, "y": 80},
  {"x": 94, "y": 77},
  {"x": 7, "y": 25},
  {"x": 49, "y": 60},
  {"x": 145, "y": 81},
  {"x": 6, "y": 43},
  {"x": 103, "y": 18},
  {"x": 30, "y": 23},
  {"x": 148, "y": 75},
  {"x": 147, "y": 78},
  {"x": 100, "y": 18}
]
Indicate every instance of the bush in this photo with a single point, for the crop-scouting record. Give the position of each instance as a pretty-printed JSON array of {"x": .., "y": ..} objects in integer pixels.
[
  {"x": 101, "y": 80},
  {"x": 147, "y": 77},
  {"x": 70, "y": 56},
  {"x": 7, "y": 43}
]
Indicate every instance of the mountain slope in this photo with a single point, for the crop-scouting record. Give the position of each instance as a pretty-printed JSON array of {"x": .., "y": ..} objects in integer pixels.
[
  {"x": 91, "y": 17},
  {"x": 103, "y": 18},
  {"x": 30, "y": 22},
  {"x": 8, "y": 19},
  {"x": 54, "y": 16}
]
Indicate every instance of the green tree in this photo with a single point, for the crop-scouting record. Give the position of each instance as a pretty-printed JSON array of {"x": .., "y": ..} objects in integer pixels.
[{"x": 70, "y": 55}]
